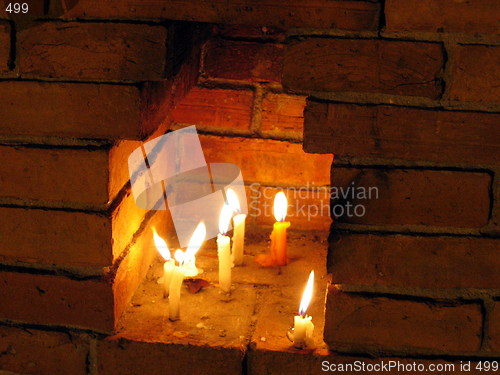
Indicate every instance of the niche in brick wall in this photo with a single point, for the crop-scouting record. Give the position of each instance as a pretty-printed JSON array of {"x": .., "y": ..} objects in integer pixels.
[{"x": 243, "y": 117}]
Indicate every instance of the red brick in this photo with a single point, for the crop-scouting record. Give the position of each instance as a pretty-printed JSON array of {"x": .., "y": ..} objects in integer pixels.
[
  {"x": 283, "y": 114},
  {"x": 350, "y": 130},
  {"x": 415, "y": 261},
  {"x": 31, "y": 351},
  {"x": 268, "y": 161},
  {"x": 307, "y": 209},
  {"x": 47, "y": 299},
  {"x": 364, "y": 65},
  {"x": 118, "y": 356},
  {"x": 477, "y": 16},
  {"x": 494, "y": 331},
  {"x": 55, "y": 237},
  {"x": 71, "y": 110},
  {"x": 475, "y": 74},
  {"x": 4, "y": 46},
  {"x": 92, "y": 51},
  {"x": 411, "y": 197},
  {"x": 246, "y": 61},
  {"x": 221, "y": 109},
  {"x": 351, "y": 15},
  {"x": 78, "y": 176},
  {"x": 68, "y": 238},
  {"x": 358, "y": 322}
]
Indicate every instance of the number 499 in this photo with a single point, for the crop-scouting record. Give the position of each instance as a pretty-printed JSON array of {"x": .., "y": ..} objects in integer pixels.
[{"x": 17, "y": 8}]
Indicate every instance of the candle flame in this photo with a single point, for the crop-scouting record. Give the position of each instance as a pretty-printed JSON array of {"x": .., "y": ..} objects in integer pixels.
[
  {"x": 161, "y": 245},
  {"x": 306, "y": 297},
  {"x": 280, "y": 206},
  {"x": 196, "y": 241},
  {"x": 233, "y": 201},
  {"x": 179, "y": 256},
  {"x": 225, "y": 218}
]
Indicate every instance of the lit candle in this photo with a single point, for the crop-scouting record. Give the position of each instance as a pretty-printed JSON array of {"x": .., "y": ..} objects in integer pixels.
[
  {"x": 277, "y": 256},
  {"x": 179, "y": 271},
  {"x": 303, "y": 327},
  {"x": 223, "y": 250},
  {"x": 168, "y": 266},
  {"x": 239, "y": 228}
]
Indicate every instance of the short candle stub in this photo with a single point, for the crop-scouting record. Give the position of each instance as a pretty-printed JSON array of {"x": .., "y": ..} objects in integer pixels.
[{"x": 303, "y": 327}]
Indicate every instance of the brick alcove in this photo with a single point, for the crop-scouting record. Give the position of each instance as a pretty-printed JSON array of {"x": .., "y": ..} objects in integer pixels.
[{"x": 407, "y": 101}]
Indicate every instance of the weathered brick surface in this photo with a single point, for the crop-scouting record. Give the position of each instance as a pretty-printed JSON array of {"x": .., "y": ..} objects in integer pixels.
[
  {"x": 31, "y": 351},
  {"x": 406, "y": 196},
  {"x": 494, "y": 332},
  {"x": 414, "y": 261},
  {"x": 4, "y": 46},
  {"x": 222, "y": 109},
  {"x": 268, "y": 161},
  {"x": 47, "y": 299},
  {"x": 74, "y": 177},
  {"x": 364, "y": 65},
  {"x": 307, "y": 209},
  {"x": 71, "y": 110},
  {"x": 55, "y": 237},
  {"x": 283, "y": 114},
  {"x": 358, "y": 322},
  {"x": 475, "y": 74},
  {"x": 352, "y": 15},
  {"x": 61, "y": 176},
  {"x": 92, "y": 51},
  {"x": 119, "y": 356},
  {"x": 350, "y": 130},
  {"x": 247, "y": 61},
  {"x": 478, "y": 16},
  {"x": 68, "y": 238}
]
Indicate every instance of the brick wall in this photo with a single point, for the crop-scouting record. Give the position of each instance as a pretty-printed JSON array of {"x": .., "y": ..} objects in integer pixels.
[
  {"x": 413, "y": 110},
  {"x": 76, "y": 98},
  {"x": 404, "y": 93}
]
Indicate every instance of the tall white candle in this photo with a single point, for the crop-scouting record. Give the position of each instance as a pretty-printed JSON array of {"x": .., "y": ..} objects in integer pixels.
[
  {"x": 168, "y": 266},
  {"x": 174, "y": 296},
  {"x": 237, "y": 249},
  {"x": 179, "y": 271},
  {"x": 168, "y": 269},
  {"x": 303, "y": 328},
  {"x": 238, "y": 239},
  {"x": 223, "y": 250}
]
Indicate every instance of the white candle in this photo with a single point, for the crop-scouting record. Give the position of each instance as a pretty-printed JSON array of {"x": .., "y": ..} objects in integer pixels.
[
  {"x": 303, "y": 328},
  {"x": 237, "y": 250},
  {"x": 168, "y": 266},
  {"x": 168, "y": 269},
  {"x": 174, "y": 296},
  {"x": 223, "y": 250},
  {"x": 238, "y": 239},
  {"x": 178, "y": 273}
]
